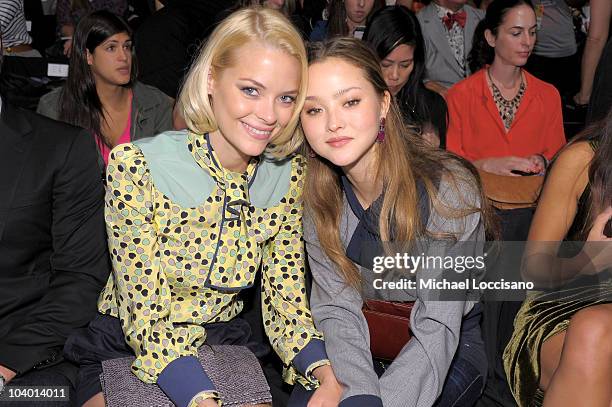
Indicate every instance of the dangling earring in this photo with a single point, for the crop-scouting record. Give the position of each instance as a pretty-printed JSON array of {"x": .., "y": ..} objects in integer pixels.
[
  {"x": 311, "y": 153},
  {"x": 380, "y": 137}
]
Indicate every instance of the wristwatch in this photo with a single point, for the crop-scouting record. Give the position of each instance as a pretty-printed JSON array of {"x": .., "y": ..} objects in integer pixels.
[{"x": 2, "y": 383}]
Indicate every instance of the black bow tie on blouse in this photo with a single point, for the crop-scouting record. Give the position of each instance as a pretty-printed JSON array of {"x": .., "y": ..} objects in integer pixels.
[
  {"x": 365, "y": 243},
  {"x": 235, "y": 233}
]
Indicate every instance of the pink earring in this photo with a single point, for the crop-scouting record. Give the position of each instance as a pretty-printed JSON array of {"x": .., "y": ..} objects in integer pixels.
[{"x": 380, "y": 137}]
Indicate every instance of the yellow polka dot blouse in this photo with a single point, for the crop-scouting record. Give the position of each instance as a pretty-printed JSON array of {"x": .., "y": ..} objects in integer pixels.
[{"x": 186, "y": 235}]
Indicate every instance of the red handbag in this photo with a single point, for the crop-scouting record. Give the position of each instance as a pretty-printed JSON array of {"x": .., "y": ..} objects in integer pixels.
[{"x": 389, "y": 326}]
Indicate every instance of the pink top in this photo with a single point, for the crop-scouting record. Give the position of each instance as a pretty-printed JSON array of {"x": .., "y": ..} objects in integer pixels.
[{"x": 125, "y": 137}]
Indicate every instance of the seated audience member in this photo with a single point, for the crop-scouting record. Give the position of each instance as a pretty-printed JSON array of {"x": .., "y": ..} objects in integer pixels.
[
  {"x": 101, "y": 93},
  {"x": 214, "y": 206},
  {"x": 70, "y": 12},
  {"x": 53, "y": 250},
  {"x": 560, "y": 354},
  {"x": 164, "y": 55},
  {"x": 597, "y": 36},
  {"x": 554, "y": 58},
  {"x": 346, "y": 18},
  {"x": 601, "y": 98},
  {"x": 17, "y": 41},
  {"x": 395, "y": 35},
  {"x": 502, "y": 119},
  {"x": 370, "y": 180},
  {"x": 448, "y": 29}
]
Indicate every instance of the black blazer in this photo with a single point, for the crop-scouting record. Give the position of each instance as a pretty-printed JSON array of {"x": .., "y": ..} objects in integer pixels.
[{"x": 53, "y": 251}]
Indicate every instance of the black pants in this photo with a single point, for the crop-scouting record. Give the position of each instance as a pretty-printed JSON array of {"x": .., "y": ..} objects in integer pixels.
[
  {"x": 50, "y": 377},
  {"x": 91, "y": 345},
  {"x": 103, "y": 339}
]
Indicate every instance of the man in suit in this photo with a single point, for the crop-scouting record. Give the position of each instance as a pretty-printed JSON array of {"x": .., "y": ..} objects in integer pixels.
[
  {"x": 448, "y": 29},
  {"x": 53, "y": 251}
]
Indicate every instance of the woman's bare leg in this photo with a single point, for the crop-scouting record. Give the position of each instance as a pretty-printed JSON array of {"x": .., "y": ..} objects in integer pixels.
[
  {"x": 583, "y": 376},
  {"x": 550, "y": 356},
  {"x": 95, "y": 401}
]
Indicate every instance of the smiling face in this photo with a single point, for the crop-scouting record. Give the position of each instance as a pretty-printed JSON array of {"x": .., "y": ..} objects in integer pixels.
[
  {"x": 397, "y": 67},
  {"x": 111, "y": 61},
  {"x": 516, "y": 36},
  {"x": 342, "y": 113},
  {"x": 252, "y": 101}
]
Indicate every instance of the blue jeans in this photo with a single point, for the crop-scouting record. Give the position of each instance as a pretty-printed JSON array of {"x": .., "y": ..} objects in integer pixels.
[{"x": 462, "y": 387}]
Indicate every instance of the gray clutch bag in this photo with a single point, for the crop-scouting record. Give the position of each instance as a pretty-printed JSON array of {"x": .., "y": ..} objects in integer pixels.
[{"x": 234, "y": 370}]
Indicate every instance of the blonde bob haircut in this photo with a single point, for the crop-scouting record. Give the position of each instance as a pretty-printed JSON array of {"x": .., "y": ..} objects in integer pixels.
[{"x": 259, "y": 24}]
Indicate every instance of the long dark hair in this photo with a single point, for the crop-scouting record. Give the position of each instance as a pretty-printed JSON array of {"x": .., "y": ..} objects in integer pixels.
[
  {"x": 388, "y": 28},
  {"x": 80, "y": 104},
  {"x": 599, "y": 134},
  {"x": 482, "y": 53},
  {"x": 336, "y": 24}
]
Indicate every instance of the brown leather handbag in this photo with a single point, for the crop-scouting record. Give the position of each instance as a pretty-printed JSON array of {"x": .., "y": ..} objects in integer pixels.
[
  {"x": 389, "y": 326},
  {"x": 506, "y": 192}
]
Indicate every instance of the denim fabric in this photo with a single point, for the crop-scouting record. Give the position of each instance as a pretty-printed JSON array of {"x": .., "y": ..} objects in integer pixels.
[{"x": 463, "y": 385}]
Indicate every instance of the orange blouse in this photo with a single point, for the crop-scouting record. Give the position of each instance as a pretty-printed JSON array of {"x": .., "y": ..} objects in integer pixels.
[{"x": 476, "y": 130}]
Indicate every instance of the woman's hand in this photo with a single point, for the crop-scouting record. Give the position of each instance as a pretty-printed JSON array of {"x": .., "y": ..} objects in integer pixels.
[
  {"x": 581, "y": 100},
  {"x": 505, "y": 165},
  {"x": 7, "y": 373},
  {"x": 329, "y": 392},
  {"x": 599, "y": 224},
  {"x": 599, "y": 246},
  {"x": 68, "y": 47},
  {"x": 67, "y": 31},
  {"x": 539, "y": 163}
]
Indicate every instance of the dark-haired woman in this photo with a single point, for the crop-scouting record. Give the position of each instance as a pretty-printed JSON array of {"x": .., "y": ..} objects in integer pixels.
[
  {"x": 561, "y": 351},
  {"x": 101, "y": 93},
  {"x": 395, "y": 35},
  {"x": 372, "y": 181},
  {"x": 503, "y": 119},
  {"x": 346, "y": 18}
]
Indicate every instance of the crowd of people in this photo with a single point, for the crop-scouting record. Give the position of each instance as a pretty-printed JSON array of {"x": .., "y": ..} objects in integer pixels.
[{"x": 202, "y": 228}]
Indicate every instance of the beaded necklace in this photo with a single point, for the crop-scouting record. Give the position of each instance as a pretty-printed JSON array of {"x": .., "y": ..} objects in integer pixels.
[{"x": 507, "y": 108}]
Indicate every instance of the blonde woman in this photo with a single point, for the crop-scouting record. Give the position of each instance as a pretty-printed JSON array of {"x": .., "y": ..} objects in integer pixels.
[{"x": 193, "y": 215}]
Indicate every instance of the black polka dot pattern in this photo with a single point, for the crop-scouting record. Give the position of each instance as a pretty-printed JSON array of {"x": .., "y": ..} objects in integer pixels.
[{"x": 176, "y": 269}]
